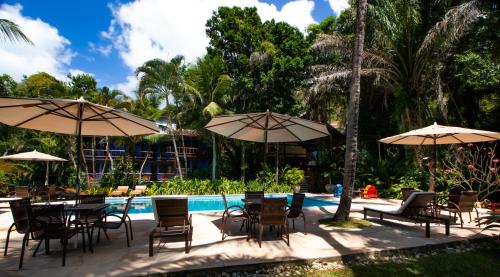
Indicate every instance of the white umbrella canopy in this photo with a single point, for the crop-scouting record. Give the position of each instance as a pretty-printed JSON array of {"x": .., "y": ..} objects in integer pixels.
[
  {"x": 35, "y": 156},
  {"x": 74, "y": 117},
  {"x": 439, "y": 134},
  {"x": 267, "y": 127}
]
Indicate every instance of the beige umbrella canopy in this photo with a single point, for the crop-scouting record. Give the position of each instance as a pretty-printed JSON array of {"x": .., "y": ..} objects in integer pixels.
[
  {"x": 35, "y": 156},
  {"x": 267, "y": 127},
  {"x": 438, "y": 134},
  {"x": 73, "y": 117}
]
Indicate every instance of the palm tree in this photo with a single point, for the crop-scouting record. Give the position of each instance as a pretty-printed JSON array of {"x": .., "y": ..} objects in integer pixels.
[
  {"x": 211, "y": 88},
  {"x": 351, "y": 152},
  {"x": 404, "y": 53},
  {"x": 161, "y": 78},
  {"x": 12, "y": 32}
]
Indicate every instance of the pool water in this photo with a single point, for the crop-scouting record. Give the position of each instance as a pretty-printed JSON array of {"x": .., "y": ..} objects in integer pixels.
[{"x": 141, "y": 205}]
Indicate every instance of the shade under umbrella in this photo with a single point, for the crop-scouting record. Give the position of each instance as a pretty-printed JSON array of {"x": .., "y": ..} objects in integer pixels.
[
  {"x": 73, "y": 117},
  {"x": 439, "y": 134},
  {"x": 35, "y": 156},
  {"x": 267, "y": 127}
]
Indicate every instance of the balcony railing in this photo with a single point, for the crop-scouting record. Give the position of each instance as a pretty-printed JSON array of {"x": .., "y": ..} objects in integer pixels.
[{"x": 169, "y": 154}]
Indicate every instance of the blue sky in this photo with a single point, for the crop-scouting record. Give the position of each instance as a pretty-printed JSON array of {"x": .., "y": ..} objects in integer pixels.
[{"x": 109, "y": 39}]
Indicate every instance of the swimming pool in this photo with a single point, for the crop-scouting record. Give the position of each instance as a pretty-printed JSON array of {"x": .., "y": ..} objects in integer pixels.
[{"x": 141, "y": 205}]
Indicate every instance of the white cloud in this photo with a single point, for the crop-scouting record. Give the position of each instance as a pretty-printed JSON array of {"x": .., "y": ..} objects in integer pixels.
[
  {"x": 50, "y": 52},
  {"x": 128, "y": 87},
  {"x": 75, "y": 72},
  {"x": 147, "y": 29},
  {"x": 105, "y": 50},
  {"x": 338, "y": 5}
]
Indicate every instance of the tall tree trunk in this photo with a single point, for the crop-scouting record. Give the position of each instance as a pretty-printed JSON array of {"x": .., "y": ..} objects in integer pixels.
[
  {"x": 351, "y": 153},
  {"x": 67, "y": 144},
  {"x": 109, "y": 155},
  {"x": 142, "y": 167},
  {"x": 184, "y": 149},
  {"x": 178, "y": 163},
  {"x": 243, "y": 163},
  {"x": 214, "y": 157},
  {"x": 85, "y": 165}
]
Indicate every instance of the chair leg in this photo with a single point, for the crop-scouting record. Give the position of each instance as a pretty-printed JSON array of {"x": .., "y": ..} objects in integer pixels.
[
  {"x": 105, "y": 233},
  {"x": 65, "y": 244},
  {"x": 130, "y": 227},
  {"x": 7, "y": 240},
  {"x": 151, "y": 243},
  {"x": 293, "y": 224},
  {"x": 461, "y": 220},
  {"x": 305, "y": 231},
  {"x": 186, "y": 241},
  {"x": 261, "y": 229},
  {"x": 224, "y": 226},
  {"x": 25, "y": 238},
  {"x": 38, "y": 247},
  {"x": 287, "y": 234},
  {"x": 83, "y": 238},
  {"x": 470, "y": 217},
  {"x": 126, "y": 233}
]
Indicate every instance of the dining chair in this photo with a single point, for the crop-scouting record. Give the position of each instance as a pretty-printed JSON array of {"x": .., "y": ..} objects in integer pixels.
[
  {"x": 295, "y": 209},
  {"x": 273, "y": 213},
  {"x": 19, "y": 210},
  {"x": 233, "y": 213},
  {"x": 122, "y": 216}
]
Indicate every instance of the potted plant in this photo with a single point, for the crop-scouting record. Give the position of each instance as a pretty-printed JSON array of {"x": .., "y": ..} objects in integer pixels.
[
  {"x": 329, "y": 186},
  {"x": 294, "y": 177}
]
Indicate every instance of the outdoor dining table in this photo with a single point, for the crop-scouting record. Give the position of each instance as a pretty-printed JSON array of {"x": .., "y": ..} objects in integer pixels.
[{"x": 90, "y": 208}]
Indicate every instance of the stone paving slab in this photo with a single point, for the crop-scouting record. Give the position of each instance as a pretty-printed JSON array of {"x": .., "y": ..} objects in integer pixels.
[{"x": 113, "y": 258}]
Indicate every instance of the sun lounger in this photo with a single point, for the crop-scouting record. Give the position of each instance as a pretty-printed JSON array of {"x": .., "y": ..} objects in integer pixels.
[
  {"x": 139, "y": 190},
  {"x": 415, "y": 209},
  {"x": 120, "y": 191}
]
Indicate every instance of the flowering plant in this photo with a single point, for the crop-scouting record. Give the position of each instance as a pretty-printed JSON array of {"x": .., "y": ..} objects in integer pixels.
[{"x": 475, "y": 167}]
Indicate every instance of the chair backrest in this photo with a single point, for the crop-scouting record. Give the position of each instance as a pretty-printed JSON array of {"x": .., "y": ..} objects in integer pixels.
[
  {"x": 170, "y": 212},
  {"x": 225, "y": 201},
  {"x": 297, "y": 203},
  {"x": 50, "y": 219},
  {"x": 273, "y": 211},
  {"x": 22, "y": 191},
  {"x": 406, "y": 192},
  {"x": 122, "y": 189},
  {"x": 416, "y": 202},
  {"x": 127, "y": 208},
  {"x": 141, "y": 188},
  {"x": 92, "y": 199},
  {"x": 20, "y": 214},
  {"x": 467, "y": 201},
  {"x": 254, "y": 194}
]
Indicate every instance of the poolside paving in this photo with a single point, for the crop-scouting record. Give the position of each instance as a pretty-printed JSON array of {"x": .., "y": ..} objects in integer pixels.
[{"x": 113, "y": 258}]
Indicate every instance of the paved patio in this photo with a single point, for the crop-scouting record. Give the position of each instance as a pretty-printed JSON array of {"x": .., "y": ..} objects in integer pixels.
[{"x": 113, "y": 258}]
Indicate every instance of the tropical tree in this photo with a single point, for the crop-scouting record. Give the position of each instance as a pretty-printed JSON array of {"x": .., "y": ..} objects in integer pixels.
[
  {"x": 161, "y": 78},
  {"x": 10, "y": 31},
  {"x": 351, "y": 153},
  {"x": 213, "y": 90}
]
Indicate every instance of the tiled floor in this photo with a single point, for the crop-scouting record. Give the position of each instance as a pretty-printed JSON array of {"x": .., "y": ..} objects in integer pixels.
[{"x": 113, "y": 258}]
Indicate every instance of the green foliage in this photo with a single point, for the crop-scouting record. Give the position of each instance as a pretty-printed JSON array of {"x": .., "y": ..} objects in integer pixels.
[
  {"x": 121, "y": 175},
  {"x": 93, "y": 190},
  {"x": 293, "y": 176},
  {"x": 477, "y": 71},
  {"x": 351, "y": 223},
  {"x": 208, "y": 187},
  {"x": 416, "y": 179}
]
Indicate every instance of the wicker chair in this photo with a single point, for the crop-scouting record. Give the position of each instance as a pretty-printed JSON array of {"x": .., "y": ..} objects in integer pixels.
[
  {"x": 19, "y": 210},
  {"x": 49, "y": 222},
  {"x": 122, "y": 216},
  {"x": 172, "y": 219},
  {"x": 295, "y": 209},
  {"x": 463, "y": 203},
  {"x": 273, "y": 213},
  {"x": 233, "y": 213},
  {"x": 22, "y": 191}
]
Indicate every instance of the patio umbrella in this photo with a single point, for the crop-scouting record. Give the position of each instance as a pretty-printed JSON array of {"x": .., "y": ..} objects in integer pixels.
[
  {"x": 73, "y": 117},
  {"x": 438, "y": 134},
  {"x": 267, "y": 127},
  {"x": 35, "y": 156}
]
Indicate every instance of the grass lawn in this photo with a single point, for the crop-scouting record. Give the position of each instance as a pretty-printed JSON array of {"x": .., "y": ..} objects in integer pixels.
[{"x": 485, "y": 262}]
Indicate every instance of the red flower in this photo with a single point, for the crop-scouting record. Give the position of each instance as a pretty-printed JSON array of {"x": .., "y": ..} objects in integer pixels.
[
  {"x": 496, "y": 160},
  {"x": 492, "y": 169},
  {"x": 471, "y": 166},
  {"x": 460, "y": 149},
  {"x": 470, "y": 145}
]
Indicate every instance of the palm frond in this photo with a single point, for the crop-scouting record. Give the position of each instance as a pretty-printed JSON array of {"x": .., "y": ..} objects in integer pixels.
[
  {"x": 449, "y": 29},
  {"x": 12, "y": 32}
]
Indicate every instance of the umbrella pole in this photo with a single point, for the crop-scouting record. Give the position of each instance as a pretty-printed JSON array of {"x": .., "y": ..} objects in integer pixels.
[
  {"x": 276, "y": 162},
  {"x": 78, "y": 150},
  {"x": 47, "y": 174}
]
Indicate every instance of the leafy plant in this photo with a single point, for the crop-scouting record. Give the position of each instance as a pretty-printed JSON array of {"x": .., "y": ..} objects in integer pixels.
[{"x": 293, "y": 176}]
